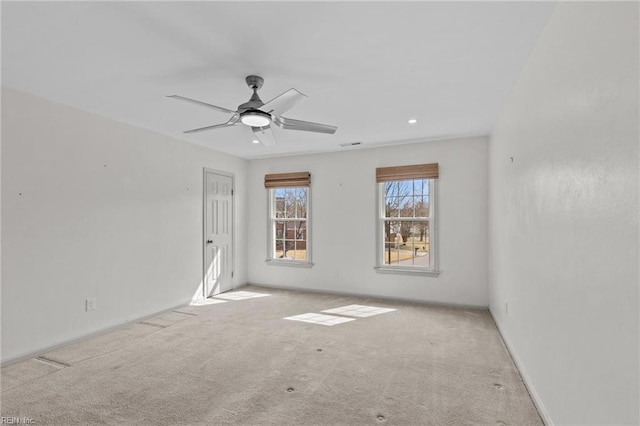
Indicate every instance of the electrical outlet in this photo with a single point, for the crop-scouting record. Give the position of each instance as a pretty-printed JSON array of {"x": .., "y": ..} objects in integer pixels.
[{"x": 90, "y": 304}]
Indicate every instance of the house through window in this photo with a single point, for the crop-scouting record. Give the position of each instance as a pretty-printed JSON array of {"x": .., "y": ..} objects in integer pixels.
[
  {"x": 406, "y": 221},
  {"x": 289, "y": 217},
  {"x": 290, "y": 223}
]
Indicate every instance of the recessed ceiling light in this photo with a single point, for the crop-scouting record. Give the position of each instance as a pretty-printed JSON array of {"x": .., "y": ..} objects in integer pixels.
[
  {"x": 412, "y": 121},
  {"x": 255, "y": 141}
]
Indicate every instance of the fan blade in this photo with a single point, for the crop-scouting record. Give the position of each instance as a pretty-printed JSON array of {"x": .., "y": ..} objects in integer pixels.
[
  {"x": 193, "y": 101},
  {"x": 233, "y": 120},
  {"x": 283, "y": 103},
  {"x": 307, "y": 126},
  {"x": 264, "y": 135}
]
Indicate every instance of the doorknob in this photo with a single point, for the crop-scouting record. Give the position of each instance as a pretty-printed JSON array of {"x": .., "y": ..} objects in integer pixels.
[{"x": 209, "y": 241}]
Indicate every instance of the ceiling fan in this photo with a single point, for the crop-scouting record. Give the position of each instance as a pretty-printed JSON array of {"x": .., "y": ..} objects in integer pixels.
[{"x": 258, "y": 117}]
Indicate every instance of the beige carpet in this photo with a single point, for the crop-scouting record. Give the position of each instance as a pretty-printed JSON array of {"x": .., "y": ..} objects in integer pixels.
[{"x": 241, "y": 363}]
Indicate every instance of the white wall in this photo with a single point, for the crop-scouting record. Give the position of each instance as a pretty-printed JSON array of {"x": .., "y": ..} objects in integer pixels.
[
  {"x": 343, "y": 208},
  {"x": 564, "y": 216},
  {"x": 92, "y": 207}
]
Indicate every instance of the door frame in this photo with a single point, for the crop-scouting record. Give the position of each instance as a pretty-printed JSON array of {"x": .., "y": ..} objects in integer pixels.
[{"x": 206, "y": 170}]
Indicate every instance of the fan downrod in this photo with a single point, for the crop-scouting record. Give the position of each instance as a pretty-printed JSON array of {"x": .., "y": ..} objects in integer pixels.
[{"x": 254, "y": 81}]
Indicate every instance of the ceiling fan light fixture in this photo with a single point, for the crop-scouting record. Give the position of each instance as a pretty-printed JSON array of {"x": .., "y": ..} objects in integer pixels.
[
  {"x": 255, "y": 118},
  {"x": 260, "y": 116}
]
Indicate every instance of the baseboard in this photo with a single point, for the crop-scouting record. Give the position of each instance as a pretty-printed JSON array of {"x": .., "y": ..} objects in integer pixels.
[
  {"x": 372, "y": 296},
  {"x": 544, "y": 414},
  {"x": 45, "y": 349}
]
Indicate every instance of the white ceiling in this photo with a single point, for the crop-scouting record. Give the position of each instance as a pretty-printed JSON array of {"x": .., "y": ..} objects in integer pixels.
[{"x": 367, "y": 67}]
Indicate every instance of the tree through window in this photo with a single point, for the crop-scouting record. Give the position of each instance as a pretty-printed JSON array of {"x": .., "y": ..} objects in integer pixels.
[
  {"x": 406, "y": 223},
  {"x": 406, "y": 219},
  {"x": 289, "y": 217},
  {"x": 290, "y": 223}
]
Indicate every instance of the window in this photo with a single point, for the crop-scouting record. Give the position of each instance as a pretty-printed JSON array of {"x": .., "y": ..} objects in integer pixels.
[
  {"x": 406, "y": 219},
  {"x": 289, "y": 218}
]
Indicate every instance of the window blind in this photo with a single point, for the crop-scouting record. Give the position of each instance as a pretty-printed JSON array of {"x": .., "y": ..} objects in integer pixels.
[
  {"x": 283, "y": 180},
  {"x": 415, "y": 171}
]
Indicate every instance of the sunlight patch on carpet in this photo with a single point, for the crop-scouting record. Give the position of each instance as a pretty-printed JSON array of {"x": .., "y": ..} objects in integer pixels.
[
  {"x": 359, "y": 311},
  {"x": 240, "y": 295},
  {"x": 319, "y": 319},
  {"x": 205, "y": 302}
]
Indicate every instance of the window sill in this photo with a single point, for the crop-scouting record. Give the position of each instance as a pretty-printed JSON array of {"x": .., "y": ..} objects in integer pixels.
[
  {"x": 289, "y": 263},
  {"x": 406, "y": 271}
]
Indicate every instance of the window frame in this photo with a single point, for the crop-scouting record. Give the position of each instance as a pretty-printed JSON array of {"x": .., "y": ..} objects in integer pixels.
[
  {"x": 432, "y": 270},
  {"x": 271, "y": 230}
]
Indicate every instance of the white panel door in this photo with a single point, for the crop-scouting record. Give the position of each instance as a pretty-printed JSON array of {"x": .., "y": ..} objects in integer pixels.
[{"x": 218, "y": 234}]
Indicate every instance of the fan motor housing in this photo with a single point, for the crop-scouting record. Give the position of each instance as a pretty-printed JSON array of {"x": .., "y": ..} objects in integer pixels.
[{"x": 254, "y": 81}]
